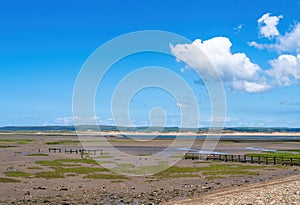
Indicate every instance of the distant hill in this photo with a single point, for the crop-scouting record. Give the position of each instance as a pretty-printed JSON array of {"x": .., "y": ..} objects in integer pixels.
[{"x": 140, "y": 129}]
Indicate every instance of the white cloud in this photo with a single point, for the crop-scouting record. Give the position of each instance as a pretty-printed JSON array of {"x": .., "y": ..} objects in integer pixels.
[
  {"x": 285, "y": 69},
  {"x": 64, "y": 120},
  {"x": 231, "y": 67},
  {"x": 250, "y": 87},
  {"x": 238, "y": 28},
  {"x": 268, "y": 25},
  {"x": 289, "y": 42}
]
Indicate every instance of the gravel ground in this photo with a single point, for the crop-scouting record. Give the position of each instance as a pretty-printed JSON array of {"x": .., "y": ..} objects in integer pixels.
[{"x": 283, "y": 191}]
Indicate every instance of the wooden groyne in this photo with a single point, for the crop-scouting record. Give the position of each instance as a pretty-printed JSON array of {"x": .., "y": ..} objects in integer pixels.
[{"x": 244, "y": 159}]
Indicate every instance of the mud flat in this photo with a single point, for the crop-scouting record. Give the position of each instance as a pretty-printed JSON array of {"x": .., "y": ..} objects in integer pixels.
[{"x": 29, "y": 174}]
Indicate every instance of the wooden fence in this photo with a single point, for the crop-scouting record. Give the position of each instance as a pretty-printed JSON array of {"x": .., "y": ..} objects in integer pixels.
[
  {"x": 244, "y": 159},
  {"x": 80, "y": 151}
]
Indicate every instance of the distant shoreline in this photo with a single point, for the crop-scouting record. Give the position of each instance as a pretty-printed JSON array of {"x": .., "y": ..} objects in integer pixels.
[{"x": 118, "y": 133}]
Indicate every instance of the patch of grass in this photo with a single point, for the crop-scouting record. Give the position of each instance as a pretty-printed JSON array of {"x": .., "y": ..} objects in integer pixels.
[
  {"x": 177, "y": 156},
  {"x": 71, "y": 175},
  {"x": 17, "y": 141},
  {"x": 8, "y": 180},
  {"x": 231, "y": 172},
  {"x": 54, "y": 163},
  {"x": 66, "y": 162},
  {"x": 177, "y": 172},
  {"x": 80, "y": 170},
  {"x": 17, "y": 174},
  {"x": 106, "y": 176},
  {"x": 34, "y": 168},
  {"x": 212, "y": 169},
  {"x": 37, "y": 155},
  {"x": 202, "y": 162},
  {"x": 145, "y": 155},
  {"x": 85, "y": 161},
  {"x": 105, "y": 156},
  {"x": 62, "y": 142},
  {"x": 49, "y": 175},
  {"x": 284, "y": 155},
  {"x": 230, "y": 167},
  {"x": 175, "y": 169}
]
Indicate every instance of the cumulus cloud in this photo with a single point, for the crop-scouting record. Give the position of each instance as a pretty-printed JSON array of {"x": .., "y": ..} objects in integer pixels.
[
  {"x": 285, "y": 69},
  {"x": 235, "y": 68},
  {"x": 268, "y": 25},
  {"x": 289, "y": 42}
]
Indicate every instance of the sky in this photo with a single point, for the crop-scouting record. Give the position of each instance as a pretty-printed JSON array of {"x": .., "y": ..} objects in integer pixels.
[{"x": 254, "y": 46}]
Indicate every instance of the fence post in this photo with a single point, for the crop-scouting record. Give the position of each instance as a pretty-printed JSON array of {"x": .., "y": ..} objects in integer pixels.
[
  {"x": 251, "y": 159},
  {"x": 239, "y": 158},
  {"x": 274, "y": 160},
  {"x": 291, "y": 161},
  {"x": 258, "y": 159}
]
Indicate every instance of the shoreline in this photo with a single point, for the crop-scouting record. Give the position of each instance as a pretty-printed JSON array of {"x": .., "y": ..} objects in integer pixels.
[{"x": 117, "y": 133}]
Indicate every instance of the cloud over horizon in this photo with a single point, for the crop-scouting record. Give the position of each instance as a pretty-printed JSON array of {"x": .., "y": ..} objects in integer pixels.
[
  {"x": 233, "y": 68},
  {"x": 236, "y": 69}
]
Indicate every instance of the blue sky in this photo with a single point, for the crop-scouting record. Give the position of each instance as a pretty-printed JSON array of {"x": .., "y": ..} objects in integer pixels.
[{"x": 43, "y": 45}]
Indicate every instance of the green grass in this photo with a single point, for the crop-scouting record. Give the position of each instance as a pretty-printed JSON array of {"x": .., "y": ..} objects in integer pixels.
[
  {"x": 105, "y": 176},
  {"x": 62, "y": 142},
  {"x": 202, "y": 162},
  {"x": 177, "y": 172},
  {"x": 177, "y": 156},
  {"x": 212, "y": 169},
  {"x": 80, "y": 170},
  {"x": 231, "y": 172},
  {"x": 49, "y": 175},
  {"x": 175, "y": 169},
  {"x": 230, "y": 167},
  {"x": 85, "y": 161},
  {"x": 66, "y": 162},
  {"x": 17, "y": 141},
  {"x": 104, "y": 156},
  {"x": 54, "y": 163},
  {"x": 145, "y": 155},
  {"x": 284, "y": 155},
  {"x": 8, "y": 180},
  {"x": 34, "y": 168},
  {"x": 291, "y": 150},
  {"x": 17, "y": 174},
  {"x": 37, "y": 155}
]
